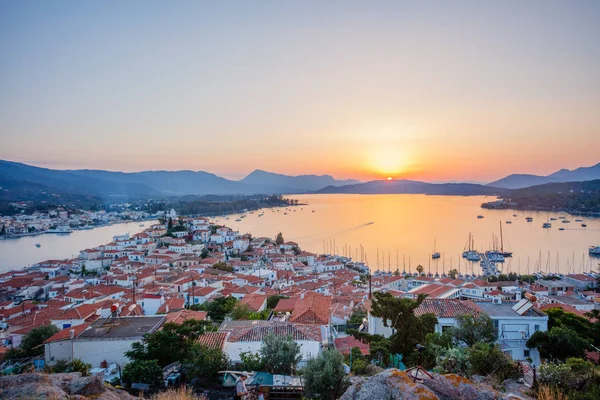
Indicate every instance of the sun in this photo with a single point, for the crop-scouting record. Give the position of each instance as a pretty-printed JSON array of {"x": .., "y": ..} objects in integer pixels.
[{"x": 389, "y": 178}]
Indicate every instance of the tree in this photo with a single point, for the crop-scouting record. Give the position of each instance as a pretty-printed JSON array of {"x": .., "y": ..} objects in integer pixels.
[
  {"x": 240, "y": 312},
  {"x": 3, "y": 230},
  {"x": 31, "y": 345},
  {"x": 472, "y": 329},
  {"x": 453, "y": 361},
  {"x": 399, "y": 313},
  {"x": 83, "y": 270},
  {"x": 559, "y": 343},
  {"x": 221, "y": 266},
  {"x": 420, "y": 269},
  {"x": 487, "y": 359},
  {"x": 557, "y": 317},
  {"x": 453, "y": 273},
  {"x": 204, "y": 363},
  {"x": 170, "y": 225},
  {"x": 143, "y": 371},
  {"x": 357, "y": 316},
  {"x": 324, "y": 376},
  {"x": 280, "y": 354},
  {"x": 251, "y": 361},
  {"x": 272, "y": 301},
  {"x": 171, "y": 343},
  {"x": 218, "y": 308},
  {"x": 204, "y": 253},
  {"x": 279, "y": 239}
]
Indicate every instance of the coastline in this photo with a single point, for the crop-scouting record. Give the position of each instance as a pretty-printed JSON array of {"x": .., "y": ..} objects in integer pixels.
[{"x": 494, "y": 205}]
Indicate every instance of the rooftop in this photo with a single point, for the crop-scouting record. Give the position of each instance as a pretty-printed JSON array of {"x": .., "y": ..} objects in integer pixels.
[
  {"x": 121, "y": 328},
  {"x": 505, "y": 310}
]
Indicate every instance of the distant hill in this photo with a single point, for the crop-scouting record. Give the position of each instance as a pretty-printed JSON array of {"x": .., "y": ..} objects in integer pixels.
[
  {"x": 518, "y": 181},
  {"x": 414, "y": 187},
  {"x": 580, "y": 197},
  {"x": 157, "y": 183},
  {"x": 269, "y": 182}
]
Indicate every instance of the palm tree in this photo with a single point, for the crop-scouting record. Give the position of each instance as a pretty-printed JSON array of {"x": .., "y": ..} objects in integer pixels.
[{"x": 593, "y": 314}]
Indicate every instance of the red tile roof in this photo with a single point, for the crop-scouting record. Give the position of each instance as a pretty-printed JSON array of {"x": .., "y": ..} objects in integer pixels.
[
  {"x": 254, "y": 301},
  {"x": 346, "y": 344},
  {"x": 213, "y": 340},
  {"x": 447, "y": 308},
  {"x": 258, "y": 333},
  {"x": 285, "y": 305},
  {"x": 66, "y": 333},
  {"x": 180, "y": 316},
  {"x": 312, "y": 309}
]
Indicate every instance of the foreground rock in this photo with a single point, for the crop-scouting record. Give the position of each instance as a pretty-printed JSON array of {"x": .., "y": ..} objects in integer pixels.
[
  {"x": 70, "y": 386},
  {"x": 395, "y": 384}
]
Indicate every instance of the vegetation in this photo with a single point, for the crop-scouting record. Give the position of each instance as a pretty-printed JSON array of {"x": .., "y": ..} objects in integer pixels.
[
  {"x": 279, "y": 239},
  {"x": 357, "y": 316},
  {"x": 242, "y": 312},
  {"x": 143, "y": 371},
  {"x": 272, "y": 301},
  {"x": 324, "y": 377},
  {"x": 70, "y": 366},
  {"x": 203, "y": 363},
  {"x": 180, "y": 393},
  {"x": 251, "y": 361},
  {"x": 218, "y": 308},
  {"x": 280, "y": 355},
  {"x": 221, "y": 266},
  {"x": 574, "y": 379},
  {"x": 172, "y": 343},
  {"x": 399, "y": 314},
  {"x": 32, "y": 343},
  {"x": 472, "y": 329},
  {"x": 216, "y": 205}
]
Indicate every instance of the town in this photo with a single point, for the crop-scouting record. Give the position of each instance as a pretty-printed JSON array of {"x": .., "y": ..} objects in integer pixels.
[{"x": 245, "y": 289}]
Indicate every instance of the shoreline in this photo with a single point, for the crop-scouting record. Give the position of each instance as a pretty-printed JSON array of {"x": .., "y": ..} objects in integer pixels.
[{"x": 490, "y": 206}]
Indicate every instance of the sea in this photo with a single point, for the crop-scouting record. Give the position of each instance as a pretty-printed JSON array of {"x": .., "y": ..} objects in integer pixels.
[{"x": 388, "y": 232}]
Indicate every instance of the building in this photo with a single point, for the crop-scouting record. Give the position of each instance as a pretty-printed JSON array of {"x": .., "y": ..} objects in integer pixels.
[{"x": 107, "y": 339}]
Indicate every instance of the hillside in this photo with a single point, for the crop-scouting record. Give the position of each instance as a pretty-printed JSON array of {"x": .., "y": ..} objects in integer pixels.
[
  {"x": 580, "y": 197},
  {"x": 518, "y": 181},
  {"x": 414, "y": 187},
  {"x": 155, "y": 183}
]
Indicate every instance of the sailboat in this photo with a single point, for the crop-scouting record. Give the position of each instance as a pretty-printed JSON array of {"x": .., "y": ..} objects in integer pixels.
[
  {"x": 436, "y": 254},
  {"x": 469, "y": 251},
  {"x": 502, "y": 252}
]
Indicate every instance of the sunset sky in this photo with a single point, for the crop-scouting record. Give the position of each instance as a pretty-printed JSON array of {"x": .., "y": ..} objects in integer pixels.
[{"x": 444, "y": 90}]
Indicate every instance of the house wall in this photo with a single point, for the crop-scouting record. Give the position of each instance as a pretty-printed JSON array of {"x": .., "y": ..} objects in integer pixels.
[
  {"x": 61, "y": 350},
  {"x": 96, "y": 351}
]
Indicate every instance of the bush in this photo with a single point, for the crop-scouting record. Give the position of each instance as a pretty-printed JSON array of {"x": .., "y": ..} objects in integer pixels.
[
  {"x": 373, "y": 369},
  {"x": 359, "y": 366},
  {"x": 203, "y": 363},
  {"x": 280, "y": 355},
  {"x": 487, "y": 359},
  {"x": 324, "y": 376},
  {"x": 143, "y": 371},
  {"x": 181, "y": 393},
  {"x": 453, "y": 361},
  {"x": 64, "y": 366},
  {"x": 251, "y": 361}
]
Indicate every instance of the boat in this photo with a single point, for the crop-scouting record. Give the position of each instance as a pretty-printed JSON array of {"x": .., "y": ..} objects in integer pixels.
[
  {"x": 584, "y": 225},
  {"x": 514, "y": 215},
  {"x": 502, "y": 252},
  {"x": 553, "y": 219},
  {"x": 284, "y": 213},
  {"x": 494, "y": 257},
  {"x": 480, "y": 216},
  {"x": 436, "y": 254},
  {"x": 469, "y": 251},
  {"x": 508, "y": 222},
  {"x": 565, "y": 221},
  {"x": 562, "y": 217},
  {"x": 578, "y": 220},
  {"x": 594, "y": 250},
  {"x": 38, "y": 245},
  {"x": 473, "y": 256},
  {"x": 313, "y": 210},
  {"x": 142, "y": 225},
  {"x": 547, "y": 225},
  {"x": 238, "y": 220},
  {"x": 561, "y": 229},
  {"x": 529, "y": 219}
]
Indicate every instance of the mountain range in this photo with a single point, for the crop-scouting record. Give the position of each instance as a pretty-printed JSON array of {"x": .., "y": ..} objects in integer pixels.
[
  {"x": 518, "y": 181},
  {"x": 155, "y": 183},
  {"x": 25, "y": 182}
]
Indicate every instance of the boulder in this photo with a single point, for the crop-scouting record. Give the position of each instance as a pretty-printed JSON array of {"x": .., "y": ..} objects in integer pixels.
[
  {"x": 90, "y": 385},
  {"x": 395, "y": 384},
  {"x": 70, "y": 386}
]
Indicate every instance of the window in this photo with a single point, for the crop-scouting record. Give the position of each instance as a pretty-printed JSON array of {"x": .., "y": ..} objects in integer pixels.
[
  {"x": 526, "y": 353},
  {"x": 536, "y": 328}
]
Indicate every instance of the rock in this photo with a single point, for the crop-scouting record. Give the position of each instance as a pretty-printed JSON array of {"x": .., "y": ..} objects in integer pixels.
[
  {"x": 58, "y": 387},
  {"x": 395, "y": 384},
  {"x": 91, "y": 385}
]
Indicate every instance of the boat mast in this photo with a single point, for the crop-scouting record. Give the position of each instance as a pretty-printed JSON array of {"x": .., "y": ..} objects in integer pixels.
[{"x": 501, "y": 241}]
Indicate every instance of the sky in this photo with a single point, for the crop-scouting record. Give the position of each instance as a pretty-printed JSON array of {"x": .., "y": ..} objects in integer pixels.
[{"x": 429, "y": 90}]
